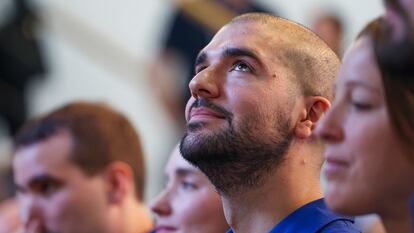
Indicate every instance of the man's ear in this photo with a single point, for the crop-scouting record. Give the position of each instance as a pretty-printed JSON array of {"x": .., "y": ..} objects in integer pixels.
[
  {"x": 315, "y": 108},
  {"x": 119, "y": 181}
]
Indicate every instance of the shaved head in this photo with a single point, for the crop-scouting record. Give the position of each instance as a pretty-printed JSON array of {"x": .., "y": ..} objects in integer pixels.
[
  {"x": 312, "y": 63},
  {"x": 253, "y": 82}
]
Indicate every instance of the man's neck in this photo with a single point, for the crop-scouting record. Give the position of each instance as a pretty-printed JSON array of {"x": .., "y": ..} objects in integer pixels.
[
  {"x": 136, "y": 218},
  {"x": 261, "y": 208}
]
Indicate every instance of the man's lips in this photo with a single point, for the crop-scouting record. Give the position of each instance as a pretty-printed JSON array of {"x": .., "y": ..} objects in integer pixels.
[
  {"x": 165, "y": 228},
  {"x": 203, "y": 112}
]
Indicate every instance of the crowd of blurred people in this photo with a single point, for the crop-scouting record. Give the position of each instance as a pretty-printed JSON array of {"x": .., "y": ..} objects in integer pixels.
[{"x": 270, "y": 104}]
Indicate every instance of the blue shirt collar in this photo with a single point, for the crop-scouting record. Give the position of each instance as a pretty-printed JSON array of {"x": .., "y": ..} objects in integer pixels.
[
  {"x": 412, "y": 211},
  {"x": 308, "y": 218}
]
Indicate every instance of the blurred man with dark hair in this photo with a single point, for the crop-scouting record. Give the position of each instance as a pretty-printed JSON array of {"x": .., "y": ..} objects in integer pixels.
[{"x": 80, "y": 169}]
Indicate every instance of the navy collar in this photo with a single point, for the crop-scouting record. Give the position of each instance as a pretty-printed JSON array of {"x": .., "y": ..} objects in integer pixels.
[
  {"x": 309, "y": 218},
  {"x": 412, "y": 211}
]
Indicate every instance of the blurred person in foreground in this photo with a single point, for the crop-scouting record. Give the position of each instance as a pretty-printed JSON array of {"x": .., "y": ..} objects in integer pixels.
[
  {"x": 9, "y": 217},
  {"x": 261, "y": 86},
  {"x": 80, "y": 169},
  {"x": 400, "y": 37},
  {"x": 9, "y": 208},
  {"x": 188, "y": 203},
  {"x": 369, "y": 135}
]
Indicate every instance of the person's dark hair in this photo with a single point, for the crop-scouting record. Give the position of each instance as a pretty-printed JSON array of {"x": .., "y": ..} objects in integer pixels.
[
  {"x": 395, "y": 60},
  {"x": 100, "y": 136},
  {"x": 403, "y": 12}
]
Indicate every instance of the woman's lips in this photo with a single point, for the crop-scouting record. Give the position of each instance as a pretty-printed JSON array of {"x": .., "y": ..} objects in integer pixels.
[{"x": 334, "y": 166}]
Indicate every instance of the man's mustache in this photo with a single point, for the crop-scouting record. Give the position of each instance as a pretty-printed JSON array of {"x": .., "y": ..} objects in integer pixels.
[{"x": 203, "y": 102}]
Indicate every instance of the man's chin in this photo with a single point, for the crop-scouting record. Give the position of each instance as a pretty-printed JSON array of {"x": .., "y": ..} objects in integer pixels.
[
  {"x": 202, "y": 126},
  {"x": 192, "y": 144},
  {"x": 196, "y": 126}
]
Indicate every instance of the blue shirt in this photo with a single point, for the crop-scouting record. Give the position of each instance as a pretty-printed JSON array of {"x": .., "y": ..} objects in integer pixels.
[
  {"x": 412, "y": 212},
  {"x": 314, "y": 217}
]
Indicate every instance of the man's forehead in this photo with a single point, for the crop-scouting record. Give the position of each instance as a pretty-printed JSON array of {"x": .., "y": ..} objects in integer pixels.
[
  {"x": 55, "y": 147},
  {"x": 242, "y": 32},
  {"x": 51, "y": 155},
  {"x": 249, "y": 36}
]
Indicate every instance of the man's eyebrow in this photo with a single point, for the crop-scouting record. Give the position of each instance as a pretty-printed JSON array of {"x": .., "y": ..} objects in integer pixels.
[
  {"x": 201, "y": 58},
  {"x": 240, "y": 52},
  {"x": 184, "y": 171},
  {"x": 229, "y": 52}
]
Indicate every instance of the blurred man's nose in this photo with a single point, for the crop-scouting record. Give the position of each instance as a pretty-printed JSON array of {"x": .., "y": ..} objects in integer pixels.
[
  {"x": 31, "y": 214},
  {"x": 161, "y": 205}
]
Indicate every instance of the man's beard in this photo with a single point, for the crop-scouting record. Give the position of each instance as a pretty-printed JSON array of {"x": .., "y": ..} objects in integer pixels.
[{"x": 238, "y": 160}]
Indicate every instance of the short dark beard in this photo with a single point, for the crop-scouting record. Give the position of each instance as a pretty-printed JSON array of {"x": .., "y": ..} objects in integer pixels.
[{"x": 238, "y": 160}]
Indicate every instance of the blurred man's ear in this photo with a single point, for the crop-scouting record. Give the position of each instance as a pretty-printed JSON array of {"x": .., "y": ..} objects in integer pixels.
[
  {"x": 119, "y": 180},
  {"x": 315, "y": 108}
]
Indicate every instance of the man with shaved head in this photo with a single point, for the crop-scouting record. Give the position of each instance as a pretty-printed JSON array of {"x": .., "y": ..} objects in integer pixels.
[{"x": 261, "y": 86}]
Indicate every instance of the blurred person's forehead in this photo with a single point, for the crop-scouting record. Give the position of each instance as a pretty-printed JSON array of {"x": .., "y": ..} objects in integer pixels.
[
  {"x": 176, "y": 163},
  {"x": 50, "y": 156}
]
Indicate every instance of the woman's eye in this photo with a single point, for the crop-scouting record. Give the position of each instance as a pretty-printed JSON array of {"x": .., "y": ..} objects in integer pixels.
[
  {"x": 242, "y": 67},
  {"x": 359, "y": 106}
]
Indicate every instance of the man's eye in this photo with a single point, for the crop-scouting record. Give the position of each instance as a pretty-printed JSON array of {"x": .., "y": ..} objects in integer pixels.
[
  {"x": 242, "y": 67},
  {"x": 46, "y": 189},
  {"x": 188, "y": 185}
]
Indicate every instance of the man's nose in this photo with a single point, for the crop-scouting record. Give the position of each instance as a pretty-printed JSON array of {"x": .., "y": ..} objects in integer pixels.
[
  {"x": 205, "y": 84},
  {"x": 30, "y": 214}
]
